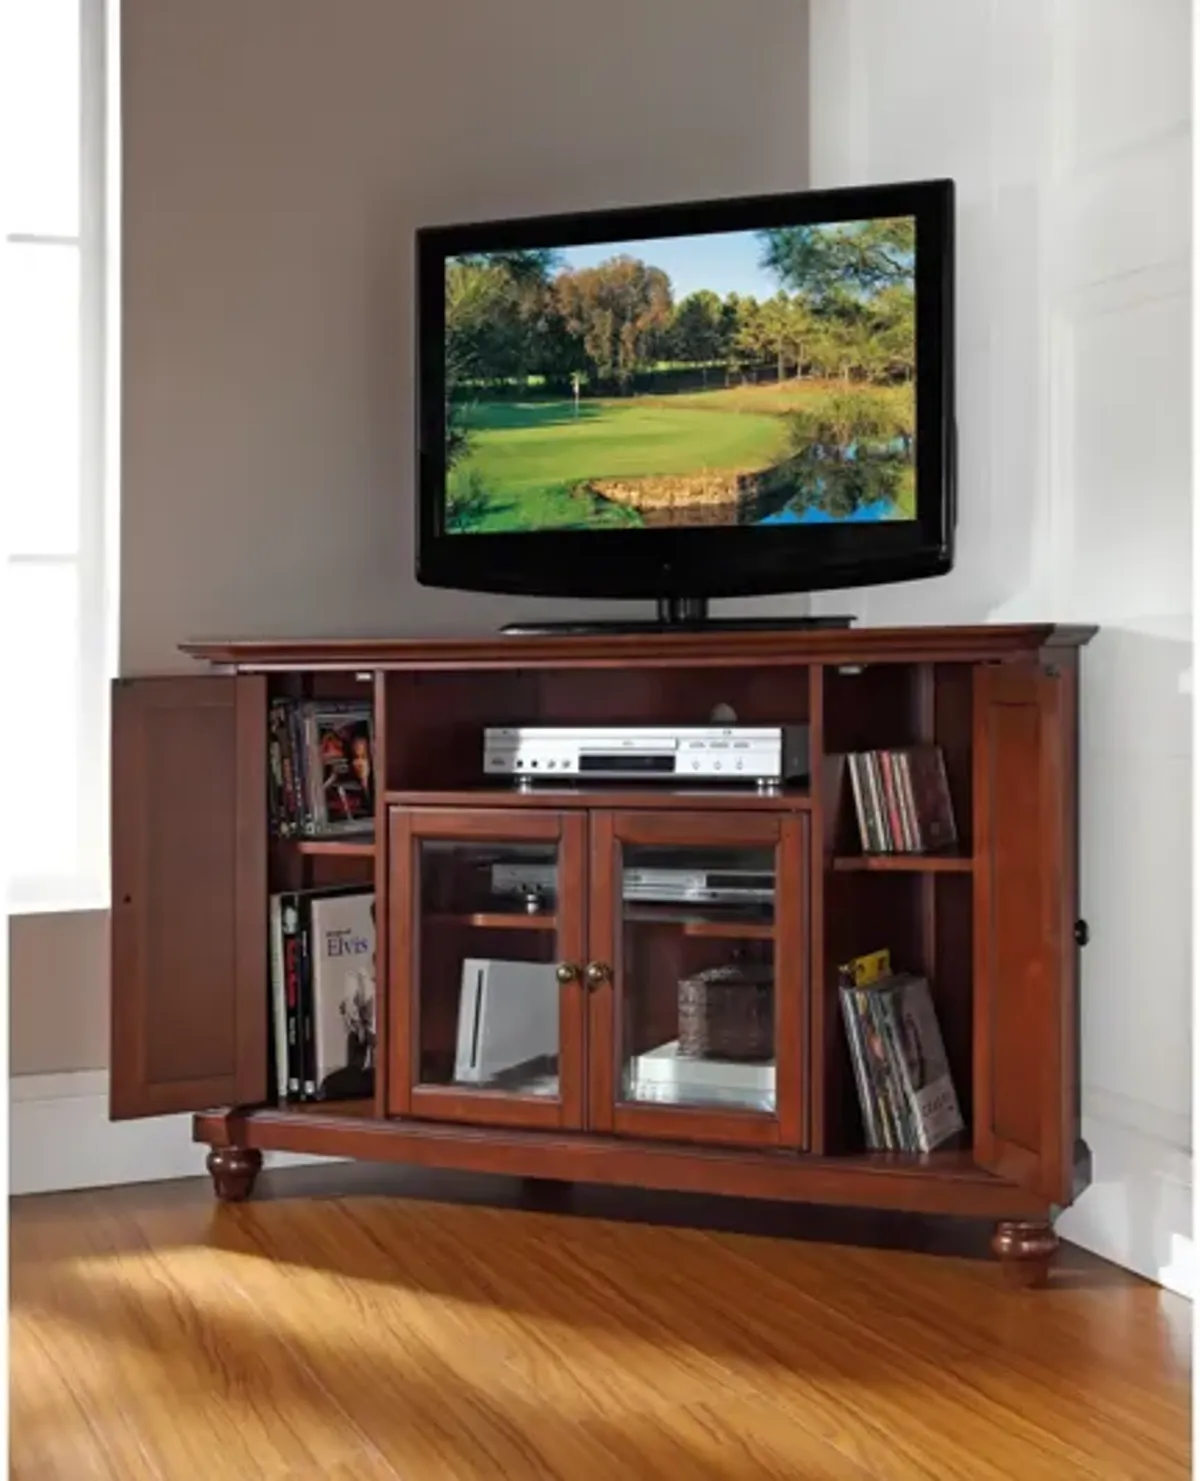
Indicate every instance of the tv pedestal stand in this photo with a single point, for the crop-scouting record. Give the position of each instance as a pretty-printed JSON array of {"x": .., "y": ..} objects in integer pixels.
[{"x": 677, "y": 614}]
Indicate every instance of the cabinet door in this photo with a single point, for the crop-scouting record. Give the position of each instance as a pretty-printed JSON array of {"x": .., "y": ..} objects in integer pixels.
[
  {"x": 1026, "y": 1050},
  {"x": 698, "y": 976},
  {"x": 485, "y": 944},
  {"x": 189, "y": 895}
]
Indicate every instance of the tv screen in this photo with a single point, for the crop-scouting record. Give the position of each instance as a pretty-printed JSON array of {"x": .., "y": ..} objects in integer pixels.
[
  {"x": 731, "y": 396},
  {"x": 728, "y": 378}
]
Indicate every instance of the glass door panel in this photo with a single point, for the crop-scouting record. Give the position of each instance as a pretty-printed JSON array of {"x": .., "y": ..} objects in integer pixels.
[
  {"x": 488, "y": 1016},
  {"x": 698, "y": 976},
  {"x": 487, "y": 965}
]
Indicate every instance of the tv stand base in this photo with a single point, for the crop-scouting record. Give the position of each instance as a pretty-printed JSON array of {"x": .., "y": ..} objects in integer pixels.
[{"x": 677, "y": 614}]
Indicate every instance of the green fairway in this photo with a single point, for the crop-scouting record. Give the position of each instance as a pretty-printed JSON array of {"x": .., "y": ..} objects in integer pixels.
[{"x": 526, "y": 458}]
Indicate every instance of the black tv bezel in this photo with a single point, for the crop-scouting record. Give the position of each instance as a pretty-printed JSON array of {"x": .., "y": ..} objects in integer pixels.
[{"x": 712, "y": 561}]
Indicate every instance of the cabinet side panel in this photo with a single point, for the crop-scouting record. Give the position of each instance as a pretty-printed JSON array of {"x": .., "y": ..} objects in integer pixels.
[
  {"x": 189, "y": 984},
  {"x": 1025, "y": 1049}
]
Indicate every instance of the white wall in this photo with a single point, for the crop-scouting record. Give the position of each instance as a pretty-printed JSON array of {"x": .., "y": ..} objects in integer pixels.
[
  {"x": 277, "y": 158},
  {"x": 1066, "y": 124}
]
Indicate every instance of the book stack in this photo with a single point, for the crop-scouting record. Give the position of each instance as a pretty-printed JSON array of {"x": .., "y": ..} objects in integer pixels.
[
  {"x": 668, "y": 1076},
  {"x": 323, "y": 993},
  {"x": 905, "y": 1089},
  {"x": 322, "y": 768},
  {"x": 902, "y": 800}
]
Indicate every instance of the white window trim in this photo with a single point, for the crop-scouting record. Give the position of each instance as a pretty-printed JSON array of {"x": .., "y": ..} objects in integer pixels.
[{"x": 87, "y": 887}]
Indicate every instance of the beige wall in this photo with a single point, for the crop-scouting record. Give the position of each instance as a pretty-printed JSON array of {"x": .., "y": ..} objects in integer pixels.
[{"x": 277, "y": 158}]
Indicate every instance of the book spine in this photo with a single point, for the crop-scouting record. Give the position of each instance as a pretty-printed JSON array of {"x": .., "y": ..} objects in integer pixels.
[
  {"x": 885, "y": 1140},
  {"x": 275, "y": 813},
  {"x": 905, "y": 1112},
  {"x": 873, "y": 845},
  {"x": 297, "y": 757},
  {"x": 278, "y": 1000},
  {"x": 888, "y": 1077},
  {"x": 910, "y": 802},
  {"x": 308, "y": 1068},
  {"x": 290, "y": 941},
  {"x": 860, "y": 806},
  {"x": 861, "y": 1078},
  {"x": 313, "y": 773},
  {"x": 891, "y": 793},
  {"x": 906, "y": 838},
  {"x": 904, "y": 791},
  {"x": 878, "y": 807}
]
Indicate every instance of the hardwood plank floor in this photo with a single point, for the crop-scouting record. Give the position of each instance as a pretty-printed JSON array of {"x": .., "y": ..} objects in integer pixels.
[{"x": 369, "y": 1337}]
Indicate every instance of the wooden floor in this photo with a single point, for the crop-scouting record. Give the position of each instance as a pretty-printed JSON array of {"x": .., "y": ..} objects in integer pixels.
[{"x": 155, "y": 1334}]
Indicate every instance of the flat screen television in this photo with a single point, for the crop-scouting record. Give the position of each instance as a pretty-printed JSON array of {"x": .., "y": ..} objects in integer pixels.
[{"x": 714, "y": 399}]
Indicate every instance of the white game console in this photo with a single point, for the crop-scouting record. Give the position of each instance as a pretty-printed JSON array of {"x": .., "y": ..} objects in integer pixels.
[{"x": 507, "y": 1018}]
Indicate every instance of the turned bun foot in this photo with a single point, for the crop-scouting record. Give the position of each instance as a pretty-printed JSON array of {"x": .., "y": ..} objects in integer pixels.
[
  {"x": 233, "y": 1172},
  {"x": 1025, "y": 1250}
]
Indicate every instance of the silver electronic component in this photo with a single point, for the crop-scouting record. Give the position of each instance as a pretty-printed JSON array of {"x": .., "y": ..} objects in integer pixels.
[{"x": 767, "y": 755}]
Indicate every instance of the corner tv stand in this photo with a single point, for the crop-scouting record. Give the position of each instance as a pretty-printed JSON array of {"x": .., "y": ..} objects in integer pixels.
[{"x": 994, "y": 926}]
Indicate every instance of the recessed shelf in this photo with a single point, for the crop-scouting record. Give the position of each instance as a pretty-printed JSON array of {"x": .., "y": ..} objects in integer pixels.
[
  {"x": 904, "y": 863},
  {"x": 361, "y": 1108},
  {"x": 350, "y": 846},
  {"x": 495, "y": 920}
]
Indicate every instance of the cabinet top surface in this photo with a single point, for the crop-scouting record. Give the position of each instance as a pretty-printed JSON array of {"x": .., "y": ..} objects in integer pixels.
[{"x": 644, "y": 650}]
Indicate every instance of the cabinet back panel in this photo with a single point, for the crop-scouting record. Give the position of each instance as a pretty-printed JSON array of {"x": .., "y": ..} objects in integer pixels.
[
  {"x": 355, "y": 684},
  {"x": 435, "y": 721}
]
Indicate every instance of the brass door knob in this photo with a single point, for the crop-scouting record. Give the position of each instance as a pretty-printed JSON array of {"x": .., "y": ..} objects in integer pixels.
[
  {"x": 566, "y": 972},
  {"x": 596, "y": 974}
]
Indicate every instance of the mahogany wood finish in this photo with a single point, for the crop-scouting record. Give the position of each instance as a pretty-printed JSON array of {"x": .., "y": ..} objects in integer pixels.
[
  {"x": 408, "y": 828},
  {"x": 189, "y": 878},
  {"x": 991, "y": 924},
  {"x": 1025, "y": 1051},
  {"x": 234, "y": 1170},
  {"x": 938, "y": 1183},
  {"x": 1025, "y": 1249},
  {"x": 666, "y": 650},
  {"x": 661, "y": 799}
]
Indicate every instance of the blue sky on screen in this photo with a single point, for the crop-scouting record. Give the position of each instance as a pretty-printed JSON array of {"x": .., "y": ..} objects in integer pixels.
[{"x": 724, "y": 262}]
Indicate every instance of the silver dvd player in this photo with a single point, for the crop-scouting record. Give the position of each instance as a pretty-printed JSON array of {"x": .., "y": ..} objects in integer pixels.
[
  {"x": 765, "y": 755},
  {"x": 684, "y": 886}
]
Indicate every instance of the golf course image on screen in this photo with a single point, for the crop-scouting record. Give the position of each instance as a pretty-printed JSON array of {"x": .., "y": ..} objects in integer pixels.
[{"x": 735, "y": 378}]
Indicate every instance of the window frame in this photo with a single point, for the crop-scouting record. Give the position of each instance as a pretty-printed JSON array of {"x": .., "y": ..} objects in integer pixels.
[{"x": 82, "y": 881}]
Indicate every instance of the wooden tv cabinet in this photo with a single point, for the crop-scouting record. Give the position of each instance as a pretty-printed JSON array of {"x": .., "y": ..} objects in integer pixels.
[{"x": 994, "y": 927}]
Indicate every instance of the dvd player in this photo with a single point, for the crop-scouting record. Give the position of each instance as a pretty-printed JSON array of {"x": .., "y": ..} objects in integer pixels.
[
  {"x": 684, "y": 885},
  {"x": 764, "y": 755}
]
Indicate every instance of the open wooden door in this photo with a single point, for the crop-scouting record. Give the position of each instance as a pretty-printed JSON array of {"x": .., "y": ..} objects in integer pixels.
[
  {"x": 1026, "y": 985},
  {"x": 189, "y": 895}
]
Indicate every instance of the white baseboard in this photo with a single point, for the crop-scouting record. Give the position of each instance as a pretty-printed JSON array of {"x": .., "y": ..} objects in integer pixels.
[
  {"x": 60, "y": 1138},
  {"x": 1138, "y": 1211}
]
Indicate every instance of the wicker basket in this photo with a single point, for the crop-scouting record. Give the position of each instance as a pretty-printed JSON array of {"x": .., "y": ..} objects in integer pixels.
[{"x": 728, "y": 1013}]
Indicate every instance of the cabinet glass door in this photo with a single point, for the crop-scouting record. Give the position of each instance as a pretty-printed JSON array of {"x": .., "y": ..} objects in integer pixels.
[
  {"x": 697, "y": 976},
  {"x": 486, "y": 967}
]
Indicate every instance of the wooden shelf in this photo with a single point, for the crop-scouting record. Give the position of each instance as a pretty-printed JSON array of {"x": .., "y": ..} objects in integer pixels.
[
  {"x": 711, "y": 927},
  {"x": 356, "y": 846},
  {"x": 625, "y": 798},
  {"x": 361, "y": 1108},
  {"x": 496, "y": 920},
  {"x": 904, "y": 863}
]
